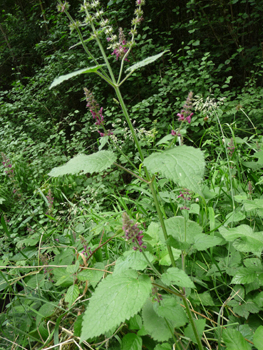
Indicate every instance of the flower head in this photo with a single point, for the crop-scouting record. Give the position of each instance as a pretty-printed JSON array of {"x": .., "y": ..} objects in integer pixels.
[
  {"x": 132, "y": 232},
  {"x": 186, "y": 114}
]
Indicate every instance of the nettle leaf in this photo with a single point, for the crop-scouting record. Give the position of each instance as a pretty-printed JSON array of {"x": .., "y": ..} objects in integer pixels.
[
  {"x": 176, "y": 276},
  {"x": 132, "y": 259},
  {"x": 171, "y": 310},
  {"x": 72, "y": 294},
  {"x": 93, "y": 163},
  {"x": 155, "y": 325},
  {"x": 184, "y": 165},
  {"x": 200, "y": 326},
  {"x": 245, "y": 239},
  {"x": 234, "y": 340},
  {"x": 257, "y": 338},
  {"x": 183, "y": 233},
  {"x": 145, "y": 62},
  {"x": 62, "y": 78},
  {"x": 117, "y": 298},
  {"x": 131, "y": 341}
]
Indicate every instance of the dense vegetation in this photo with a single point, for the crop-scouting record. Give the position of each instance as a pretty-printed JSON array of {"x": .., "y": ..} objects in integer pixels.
[{"x": 131, "y": 190}]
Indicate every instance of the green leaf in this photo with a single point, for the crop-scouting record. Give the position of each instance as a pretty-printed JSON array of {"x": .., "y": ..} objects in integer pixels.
[
  {"x": 132, "y": 259},
  {"x": 257, "y": 338},
  {"x": 77, "y": 325},
  {"x": 93, "y": 276},
  {"x": 175, "y": 276},
  {"x": 62, "y": 78},
  {"x": 244, "y": 276},
  {"x": 183, "y": 164},
  {"x": 46, "y": 310},
  {"x": 171, "y": 310},
  {"x": 92, "y": 163},
  {"x": 135, "y": 322},
  {"x": 200, "y": 325},
  {"x": 245, "y": 239},
  {"x": 145, "y": 62},
  {"x": 131, "y": 341},
  {"x": 183, "y": 233},
  {"x": 203, "y": 242},
  {"x": 234, "y": 340},
  {"x": 73, "y": 268},
  {"x": 154, "y": 324},
  {"x": 72, "y": 294},
  {"x": 164, "y": 346},
  {"x": 116, "y": 299}
]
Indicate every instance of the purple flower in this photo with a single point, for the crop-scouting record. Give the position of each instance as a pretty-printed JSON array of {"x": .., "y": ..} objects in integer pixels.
[
  {"x": 189, "y": 117},
  {"x": 186, "y": 114},
  {"x": 132, "y": 232}
]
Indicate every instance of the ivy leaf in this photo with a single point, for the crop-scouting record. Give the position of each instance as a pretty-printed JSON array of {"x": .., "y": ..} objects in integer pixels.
[
  {"x": 62, "y": 78},
  {"x": 257, "y": 338},
  {"x": 131, "y": 341},
  {"x": 184, "y": 165},
  {"x": 155, "y": 325},
  {"x": 116, "y": 299},
  {"x": 245, "y": 239},
  {"x": 72, "y": 294},
  {"x": 234, "y": 340},
  {"x": 145, "y": 62},
  {"x": 175, "y": 276},
  {"x": 93, "y": 163}
]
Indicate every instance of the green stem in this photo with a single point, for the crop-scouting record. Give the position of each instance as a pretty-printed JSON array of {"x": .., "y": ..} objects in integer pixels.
[{"x": 130, "y": 172}]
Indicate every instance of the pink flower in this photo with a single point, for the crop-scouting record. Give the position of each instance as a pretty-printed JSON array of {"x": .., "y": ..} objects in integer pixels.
[{"x": 189, "y": 117}]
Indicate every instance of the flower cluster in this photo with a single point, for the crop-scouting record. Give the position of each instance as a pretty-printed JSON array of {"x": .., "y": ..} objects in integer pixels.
[
  {"x": 85, "y": 252},
  {"x": 120, "y": 48},
  {"x": 8, "y": 166},
  {"x": 132, "y": 232},
  {"x": 95, "y": 111},
  {"x": 185, "y": 115},
  {"x": 185, "y": 195}
]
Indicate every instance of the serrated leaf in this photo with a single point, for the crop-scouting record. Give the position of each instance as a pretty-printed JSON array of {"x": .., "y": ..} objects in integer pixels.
[
  {"x": 132, "y": 259},
  {"x": 246, "y": 308},
  {"x": 184, "y": 165},
  {"x": 244, "y": 276},
  {"x": 203, "y": 242},
  {"x": 72, "y": 294},
  {"x": 164, "y": 346},
  {"x": 116, "y": 299},
  {"x": 93, "y": 163},
  {"x": 245, "y": 239},
  {"x": 171, "y": 310},
  {"x": 73, "y": 268},
  {"x": 131, "y": 341},
  {"x": 62, "y": 78},
  {"x": 135, "y": 322},
  {"x": 145, "y": 62},
  {"x": 93, "y": 276},
  {"x": 257, "y": 338},
  {"x": 200, "y": 325},
  {"x": 154, "y": 324},
  {"x": 176, "y": 276},
  {"x": 183, "y": 233},
  {"x": 234, "y": 340}
]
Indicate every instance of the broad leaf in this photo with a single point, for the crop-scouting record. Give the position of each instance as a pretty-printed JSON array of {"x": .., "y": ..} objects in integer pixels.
[
  {"x": 183, "y": 233},
  {"x": 145, "y": 62},
  {"x": 247, "y": 275},
  {"x": 132, "y": 259},
  {"x": 155, "y": 325},
  {"x": 116, "y": 299},
  {"x": 175, "y": 276},
  {"x": 184, "y": 165},
  {"x": 203, "y": 242},
  {"x": 257, "y": 338},
  {"x": 131, "y": 341},
  {"x": 234, "y": 340},
  {"x": 171, "y": 310},
  {"x": 200, "y": 325},
  {"x": 62, "y": 78},
  {"x": 72, "y": 294},
  {"x": 245, "y": 239},
  {"x": 93, "y": 276},
  {"x": 92, "y": 163}
]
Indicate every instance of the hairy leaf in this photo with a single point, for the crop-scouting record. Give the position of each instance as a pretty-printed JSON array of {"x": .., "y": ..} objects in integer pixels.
[
  {"x": 175, "y": 276},
  {"x": 62, "y": 78},
  {"x": 245, "y": 239},
  {"x": 72, "y": 294},
  {"x": 154, "y": 324},
  {"x": 117, "y": 298},
  {"x": 171, "y": 310},
  {"x": 257, "y": 338},
  {"x": 234, "y": 340},
  {"x": 145, "y": 62},
  {"x": 184, "y": 165},
  {"x": 131, "y": 341},
  {"x": 183, "y": 233},
  {"x": 92, "y": 163}
]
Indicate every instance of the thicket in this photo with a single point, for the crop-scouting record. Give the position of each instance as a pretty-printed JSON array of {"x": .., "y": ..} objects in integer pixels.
[{"x": 67, "y": 268}]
